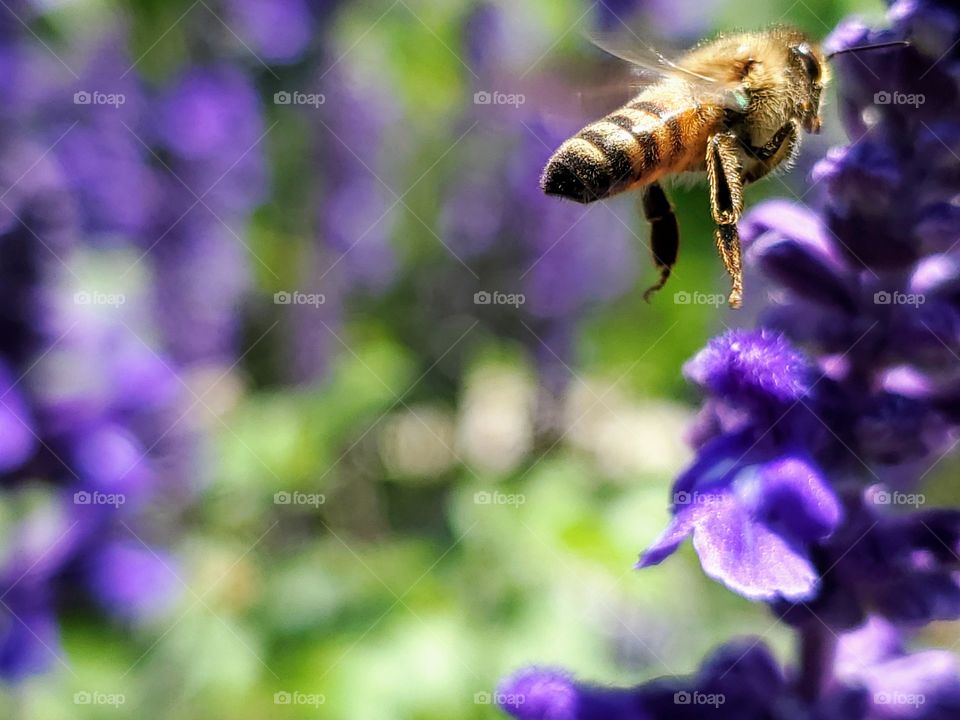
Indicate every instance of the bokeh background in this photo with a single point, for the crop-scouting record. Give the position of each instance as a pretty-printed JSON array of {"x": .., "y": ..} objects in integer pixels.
[{"x": 310, "y": 404}]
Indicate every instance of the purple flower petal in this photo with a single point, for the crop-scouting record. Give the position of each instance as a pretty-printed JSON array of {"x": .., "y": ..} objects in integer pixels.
[
  {"x": 752, "y": 367},
  {"x": 539, "y": 694},
  {"x": 798, "y": 496},
  {"x": 785, "y": 219},
  {"x": 111, "y": 459},
  {"x": 17, "y": 439},
  {"x": 29, "y": 640},
  {"x": 132, "y": 581},
  {"x": 805, "y": 268},
  {"x": 672, "y": 538},
  {"x": 278, "y": 30},
  {"x": 210, "y": 113},
  {"x": 748, "y": 557},
  {"x": 936, "y": 275}
]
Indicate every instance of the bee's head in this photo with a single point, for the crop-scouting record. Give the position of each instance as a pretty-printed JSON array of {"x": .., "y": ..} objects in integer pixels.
[{"x": 811, "y": 66}]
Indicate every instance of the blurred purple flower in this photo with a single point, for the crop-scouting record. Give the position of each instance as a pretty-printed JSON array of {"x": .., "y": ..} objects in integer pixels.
[
  {"x": 29, "y": 637},
  {"x": 132, "y": 581},
  {"x": 208, "y": 114},
  {"x": 740, "y": 681},
  {"x": 211, "y": 124},
  {"x": 565, "y": 260},
  {"x": 17, "y": 439},
  {"x": 356, "y": 213},
  {"x": 874, "y": 679},
  {"x": 90, "y": 402},
  {"x": 278, "y": 31},
  {"x": 658, "y": 18}
]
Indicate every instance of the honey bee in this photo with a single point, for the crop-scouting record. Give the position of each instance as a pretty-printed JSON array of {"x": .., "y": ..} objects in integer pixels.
[{"x": 732, "y": 108}]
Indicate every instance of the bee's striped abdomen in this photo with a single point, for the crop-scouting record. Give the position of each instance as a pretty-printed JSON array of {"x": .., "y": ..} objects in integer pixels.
[{"x": 655, "y": 134}]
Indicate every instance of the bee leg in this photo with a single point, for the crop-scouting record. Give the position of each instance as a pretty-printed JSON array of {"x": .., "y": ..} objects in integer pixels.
[
  {"x": 726, "y": 205},
  {"x": 727, "y": 239},
  {"x": 664, "y": 234},
  {"x": 781, "y": 148}
]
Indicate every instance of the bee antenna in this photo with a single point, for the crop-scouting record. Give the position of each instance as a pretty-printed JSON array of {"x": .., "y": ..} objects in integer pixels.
[{"x": 875, "y": 46}]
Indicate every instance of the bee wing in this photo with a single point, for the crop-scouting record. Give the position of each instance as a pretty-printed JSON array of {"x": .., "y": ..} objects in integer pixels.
[
  {"x": 650, "y": 65},
  {"x": 581, "y": 89},
  {"x": 588, "y": 91}
]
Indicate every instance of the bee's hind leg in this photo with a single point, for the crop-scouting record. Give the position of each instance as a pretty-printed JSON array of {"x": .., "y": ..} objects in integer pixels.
[
  {"x": 724, "y": 173},
  {"x": 664, "y": 233}
]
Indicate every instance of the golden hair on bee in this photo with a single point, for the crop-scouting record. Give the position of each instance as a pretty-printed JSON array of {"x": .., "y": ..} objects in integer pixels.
[{"x": 732, "y": 107}]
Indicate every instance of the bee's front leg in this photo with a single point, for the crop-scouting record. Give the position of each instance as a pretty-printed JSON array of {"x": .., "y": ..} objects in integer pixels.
[
  {"x": 664, "y": 233},
  {"x": 781, "y": 148},
  {"x": 724, "y": 173}
]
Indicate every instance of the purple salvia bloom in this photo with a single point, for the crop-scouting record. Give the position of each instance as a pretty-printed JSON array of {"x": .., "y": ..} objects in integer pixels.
[
  {"x": 754, "y": 499},
  {"x": 752, "y": 520},
  {"x": 482, "y": 33}
]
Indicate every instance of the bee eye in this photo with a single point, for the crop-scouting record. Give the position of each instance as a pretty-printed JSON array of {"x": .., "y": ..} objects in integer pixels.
[{"x": 811, "y": 65}]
